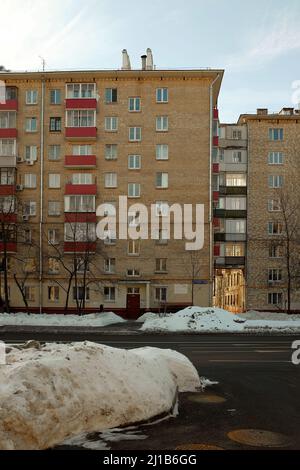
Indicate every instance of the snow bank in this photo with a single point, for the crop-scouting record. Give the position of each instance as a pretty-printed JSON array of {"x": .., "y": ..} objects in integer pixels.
[
  {"x": 44, "y": 319},
  {"x": 147, "y": 316},
  {"x": 217, "y": 320},
  {"x": 58, "y": 391}
]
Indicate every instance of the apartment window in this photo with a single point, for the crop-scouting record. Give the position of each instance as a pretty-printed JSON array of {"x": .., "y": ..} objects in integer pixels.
[
  {"x": 274, "y": 205},
  {"x": 31, "y": 153},
  {"x": 133, "y": 290},
  {"x": 234, "y": 249},
  {"x": 8, "y": 119},
  {"x": 54, "y": 180},
  {"x": 237, "y": 134},
  {"x": 29, "y": 292},
  {"x": 162, "y": 123},
  {"x": 134, "y": 104},
  {"x": 30, "y": 180},
  {"x": 110, "y": 180},
  {"x": 221, "y": 155},
  {"x": 275, "y": 251},
  {"x": 161, "y": 294},
  {"x": 82, "y": 178},
  {"x": 53, "y": 293},
  {"x": 234, "y": 203},
  {"x": 31, "y": 124},
  {"x": 134, "y": 162},
  {"x": 133, "y": 247},
  {"x": 135, "y": 134},
  {"x": 110, "y": 238},
  {"x": 55, "y": 124},
  {"x": 53, "y": 265},
  {"x": 162, "y": 95},
  {"x": 111, "y": 95},
  {"x": 275, "y": 275},
  {"x": 275, "y": 181},
  {"x": 162, "y": 152},
  {"x": 110, "y": 265},
  {"x": 8, "y": 147},
  {"x": 134, "y": 219},
  {"x": 31, "y": 97},
  {"x": 275, "y": 158},
  {"x": 81, "y": 293},
  {"x": 9, "y": 234},
  {"x": 235, "y": 226},
  {"x": 275, "y": 298},
  {"x": 275, "y": 228},
  {"x": 54, "y": 152},
  {"x": 55, "y": 96},
  {"x": 133, "y": 272},
  {"x": 53, "y": 236},
  {"x": 54, "y": 208},
  {"x": 236, "y": 179},
  {"x": 109, "y": 294},
  {"x": 162, "y": 208},
  {"x": 11, "y": 93},
  {"x": 134, "y": 190},
  {"x": 81, "y": 265},
  {"x": 80, "y": 232},
  {"x": 27, "y": 236},
  {"x": 237, "y": 157},
  {"x": 81, "y": 118},
  {"x": 30, "y": 208},
  {"x": 276, "y": 134},
  {"x": 80, "y": 203},
  {"x": 161, "y": 265},
  {"x": 162, "y": 180},
  {"x": 81, "y": 150},
  {"x": 163, "y": 236},
  {"x": 110, "y": 209},
  {"x": 81, "y": 90},
  {"x": 111, "y": 124},
  {"x": 7, "y": 176},
  {"x": 111, "y": 152}
]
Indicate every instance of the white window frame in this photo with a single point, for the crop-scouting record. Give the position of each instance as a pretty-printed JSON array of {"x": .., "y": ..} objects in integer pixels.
[
  {"x": 162, "y": 123},
  {"x": 30, "y": 180},
  {"x": 275, "y": 158},
  {"x": 136, "y": 104},
  {"x": 162, "y": 152},
  {"x": 31, "y": 97},
  {"x": 80, "y": 205},
  {"x": 275, "y": 181},
  {"x": 30, "y": 153},
  {"x": 57, "y": 208},
  {"x": 135, "y": 134},
  {"x": 134, "y": 190},
  {"x": 111, "y": 180},
  {"x": 111, "y": 123},
  {"x": 54, "y": 181},
  {"x": 81, "y": 93},
  {"x": 110, "y": 265},
  {"x": 164, "y": 184},
  {"x": 110, "y": 296},
  {"x": 134, "y": 162},
  {"x": 56, "y": 92},
  {"x": 28, "y": 124},
  {"x": 162, "y": 95},
  {"x": 8, "y": 147},
  {"x": 8, "y": 119},
  {"x": 159, "y": 290},
  {"x": 111, "y": 152},
  {"x": 53, "y": 238},
  {"x": 82, "y": 150},
  {"x": 81, "y": 118},
  {"x": 82, "y": 178},
  {"x": 54, "y": 152}
]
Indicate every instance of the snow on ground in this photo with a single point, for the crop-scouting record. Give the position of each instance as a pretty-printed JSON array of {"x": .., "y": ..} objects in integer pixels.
[
  {"x": 54, "y": 392},
  {"x": 217, "y": 320},
  {"x": 277, "y": 316},
  {"x": 44, "y": 319},
  {"x": 147, "y": 316}
]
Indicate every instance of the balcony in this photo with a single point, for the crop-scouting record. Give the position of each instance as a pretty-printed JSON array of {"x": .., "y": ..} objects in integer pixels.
[
  {"x": 81, "y": 132},
  {"x": 81, "y": 103},
  {"x": 7, "y": 189},
  {"x": 80, "y": 217},
  {"x": 8, "y": 162},
  {"x": 233, "y": 190},
  {"x": 9, "y": 218},
  {"x": 230, "y": 214},
  {"x": 80, "y": 161},
  {"x": 79, "y": 247},
  {"x": 8, "y": 133},
  {"x": 81, "y": 189},
  {"x": 219, "y": 237},
  {"x": 11, "y": 247},
  {"x": 11, "y": 100}
]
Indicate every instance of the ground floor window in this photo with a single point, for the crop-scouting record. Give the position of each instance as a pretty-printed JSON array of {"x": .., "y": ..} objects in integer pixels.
[
  {"x": 161, "y": 294},
  {"x": 53, "y": 293},
  {"x": 275, "y": 298},
  {"x": 110, "y": 294},
  {"x": 133, "y": 290},
  {"x": 81, "y": 293}
]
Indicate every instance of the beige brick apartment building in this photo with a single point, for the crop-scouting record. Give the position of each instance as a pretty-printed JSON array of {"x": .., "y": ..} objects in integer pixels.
[{"x": 72, "y": 140}]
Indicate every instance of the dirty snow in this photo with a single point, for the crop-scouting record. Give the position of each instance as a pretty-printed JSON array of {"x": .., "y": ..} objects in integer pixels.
[
  {"x": 61, "y": 390},
  {"x": 44, "y": 319}
]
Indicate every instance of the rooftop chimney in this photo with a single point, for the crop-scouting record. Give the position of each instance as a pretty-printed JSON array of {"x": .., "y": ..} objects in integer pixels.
[
  {"x": 125, "y": 60},
  {"x": 144, "y": 59},
  {"x": 149, "y": 60},
  {"x": 262, "y": 111}
]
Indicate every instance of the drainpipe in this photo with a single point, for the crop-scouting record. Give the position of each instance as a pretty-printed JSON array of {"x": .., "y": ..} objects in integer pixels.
[
  {"x": 210, "y": 188},
  {"x": 41, "y": 197}
]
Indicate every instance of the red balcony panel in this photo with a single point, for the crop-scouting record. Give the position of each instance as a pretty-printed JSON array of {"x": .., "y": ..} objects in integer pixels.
[
  {"x": 216, "y": 222},
  {"x": 81, "y": 103},
  {"x": 81, "y": 189},
  {"x": 80, "y": 217},
  {"x": 79, "y": 247},
  {"x": 11, "y": 247},
  {"x": 76, "y": 161},
  {"x": 216, "y": 141},
  {"x": 216, "y": 168},
  {"x": 216, "y": 113},
  {"x": 216, "y": 196},
  {"x": 81, "y": 132},
  {"x": 7, "y": 189},
  {"x": 9, "y": 105},
  {"x": 217, "y": 250},
  {"x": 8, "y": 218},
  {"x": 8, "y": 133}
]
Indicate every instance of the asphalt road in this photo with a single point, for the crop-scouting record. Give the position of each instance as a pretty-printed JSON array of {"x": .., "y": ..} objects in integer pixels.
[{"x": 258, "y": 388}]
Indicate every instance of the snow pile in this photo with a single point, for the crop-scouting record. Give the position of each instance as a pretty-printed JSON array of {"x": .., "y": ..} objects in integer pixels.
[
  {"x": 44, "y": 319},
  {"x": 276, "y": 316},
  {"x": 217, "y": 320},
  {"x": 147, "y": 316},
  {"x": 58, "y": 391}
]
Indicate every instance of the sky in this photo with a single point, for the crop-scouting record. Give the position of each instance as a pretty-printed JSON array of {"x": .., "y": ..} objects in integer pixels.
[{"x": 256, "y": 42}]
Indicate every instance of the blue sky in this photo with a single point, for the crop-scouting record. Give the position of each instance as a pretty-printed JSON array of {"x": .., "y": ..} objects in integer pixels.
[{"x": 258, "y": 44}]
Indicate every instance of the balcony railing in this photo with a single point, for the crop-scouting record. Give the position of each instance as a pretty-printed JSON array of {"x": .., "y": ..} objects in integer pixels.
[
  {"x": 81, "y": 132},
  {"x": 81, "y": 189},
  {"x": 240, "y": 190},
  {"x": 80, "y": 161}
]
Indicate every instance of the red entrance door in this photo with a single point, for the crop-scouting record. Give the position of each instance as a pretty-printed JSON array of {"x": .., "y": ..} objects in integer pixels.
[{"x": 133, "y": 306}]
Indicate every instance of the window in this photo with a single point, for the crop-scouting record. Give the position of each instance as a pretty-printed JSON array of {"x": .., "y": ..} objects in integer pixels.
[
  {"x": 29, "y": 180},
  {"x": 274, "y": 205},
  {"x": 162, "y": 95},
  {"x": 27, "y": 235},
  {"x": 81, "y": 90},
  {"x": 53, "y": 293},
  {"x": 162, "y": 180},
  {"x": 111, "y": 152},
  {"x": 7, "y": 176},
  {"x": 275, "y": 181},
  {"x": 55, "y": 96},
  {"x": 111, "y": 238},
  {"x": 53, "y": 236},
  {"x": 30, "y": 208},
  {"x": 81, "y": 118},
  {"x": 275, "y": 298},
  {"x": 11, "y": 93},
  {"x": 111, "y": 124},
  {"x": 234, "y": 203},
  {"x": 275, "y": 251},
  {"x": 81, "y": 265},
  {"x": 135, "y": 134},
  {"x": 9, "y": 233},
  {"x": 161, "y": 265},
  {"x": 111, "y": 95},
  {"x": 275, "y": 158},
  {"x": 109, "y": 294},
  {"x": 82, "y": 178},
  {"x": 53, "y": 265},
  {"x": 134, "y": 104},
  {"x": 133, "y": 272},
  {"x": 31, "y": 97},
  {"x": 8, "y": 119},
  {"x": 162, "y": 123},
  {"x": 80, "y": 232},
  {"x": 55, "y": 124},
  {"x": 234, "y": 249},
  {"x": 134, "y": 162},
  {"x": 162, "y": 236},
  {"x": 110, "y": 208},
  {"x": 31, "y": 153},
  {"x": 81, "y": 293},
  {"x": 110, "y": 180},
  {"x": 276, "y": 134},
  {"x": 8, "y": 147},
  {"x": 80, "y": 203},
  {"x": 235, "y": 226},
  {"x": 54, "y": 180},
  {"x": 133, "y": 248},
  {"x": 161, "y": 294},
  {"x": 162, "y": 208},
  {"x": 54, "y": 208},
  {"x": 236, "y": 179},
  {"x": 54, "y": 152},
  {"x": 29, "y": 292},
  {"x": 275, "y": 228},
  {"x": 134, "y": 190},
  {"x": 275, "y": 275},
  {"x": 81, "y": 150},
  {"x": 29, "y": 265},
  {"x": 237, "y": 157},
  {"x": 162, "y": 152},
  {"x": 110, "y": 265},
  {"x": 236, "y": 134},
  {"x": 133, "y": 290},
  {"x": 31, "y": 124},
  {"x": 5, "y": 264}
]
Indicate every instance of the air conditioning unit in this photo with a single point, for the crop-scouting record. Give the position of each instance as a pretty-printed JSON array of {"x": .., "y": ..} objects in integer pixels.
[
  {"x": 25, "y": 218},
  {"x": 19, "y": 187},
  {"x": 20, "y": 159},
  {"x": 29, "y": 162}
]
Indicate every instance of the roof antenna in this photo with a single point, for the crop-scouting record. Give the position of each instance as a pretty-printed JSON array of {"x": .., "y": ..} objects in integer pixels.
[{"x": 43, "y": 62}]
